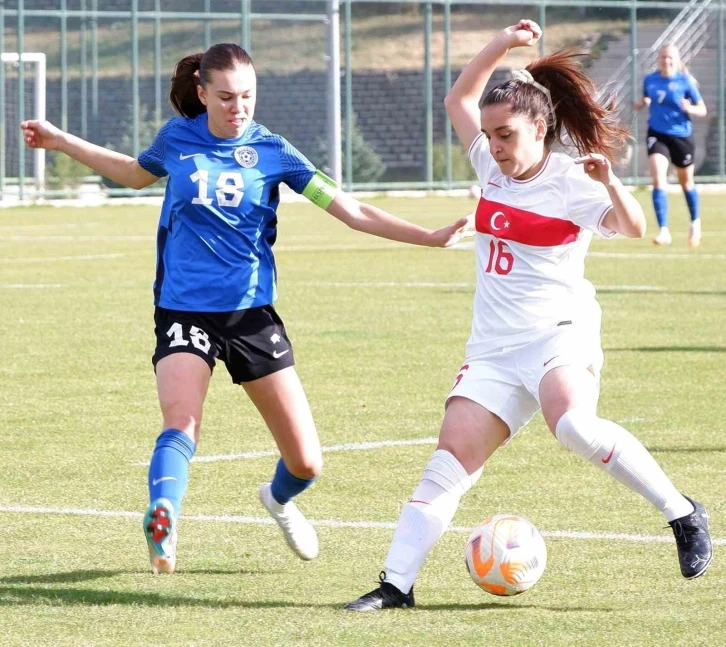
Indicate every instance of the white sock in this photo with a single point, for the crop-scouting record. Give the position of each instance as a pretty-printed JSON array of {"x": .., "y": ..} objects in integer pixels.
[
  {"x": 620, "y": 454},
  {"x": 696, "y": 226},
  {"x": 426, "y": 516}
]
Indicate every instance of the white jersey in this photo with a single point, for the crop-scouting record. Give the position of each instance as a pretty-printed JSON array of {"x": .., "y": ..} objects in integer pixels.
[{"x": 531, "y": 240}]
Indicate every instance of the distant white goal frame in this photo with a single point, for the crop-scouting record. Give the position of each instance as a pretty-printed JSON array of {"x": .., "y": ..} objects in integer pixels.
[{"x": 39, "y": 59}]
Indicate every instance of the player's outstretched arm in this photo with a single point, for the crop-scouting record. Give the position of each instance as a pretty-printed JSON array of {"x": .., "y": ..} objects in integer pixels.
[
  {"x": 462, "y": 101},
  {"x": 372, "y": 220},
  {"x": 626, "y": 217},
  {"x": 118, "y": 167}
]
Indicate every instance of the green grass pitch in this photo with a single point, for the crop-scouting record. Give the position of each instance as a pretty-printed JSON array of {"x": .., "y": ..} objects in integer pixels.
[{"x": 379, "y": 331}]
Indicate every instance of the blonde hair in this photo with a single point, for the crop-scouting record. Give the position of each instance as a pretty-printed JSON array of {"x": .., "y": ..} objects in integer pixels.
[{"x": 681, "y": 65}]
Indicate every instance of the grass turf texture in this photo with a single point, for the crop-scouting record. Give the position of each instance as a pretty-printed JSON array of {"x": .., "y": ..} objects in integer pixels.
[{"x": 379, "y": 330}]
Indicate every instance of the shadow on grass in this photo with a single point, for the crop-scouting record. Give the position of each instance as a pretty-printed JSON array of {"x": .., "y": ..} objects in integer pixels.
[
  {"x": 62, "y": 578},
  {"x": 85, "y": 576},
  {"x": 668, "y": 349},
  {"x": 498, "y": 606},
  {"x": 33, "y": 596}
]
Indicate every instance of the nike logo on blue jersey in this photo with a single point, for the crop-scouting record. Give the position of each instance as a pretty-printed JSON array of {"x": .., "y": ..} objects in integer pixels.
[{"x": 186, "y": 157}]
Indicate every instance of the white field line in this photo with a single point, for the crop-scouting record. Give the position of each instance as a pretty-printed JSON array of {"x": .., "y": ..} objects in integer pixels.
[
  {"x": 426, "y": 284},
  {"x": 348, "y": 447},
  {"x": 52, "y": 259},
  {"x": 330, "y": 523},
  {"x": 73, "y": 239},
  {"x": 36, "y": 286},
  {"x": 45, "y": 226},
  {"x": 468, "y": 246},
  {"x": 339, "y": 247},
  {"x": 644, "y": 255},
  {"x": 631, "y": 288},
  {"x": 465, "y": 246},
  {"x": 387, "y": 284}
]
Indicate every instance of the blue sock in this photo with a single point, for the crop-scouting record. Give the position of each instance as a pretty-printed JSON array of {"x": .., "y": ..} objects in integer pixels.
[
  {"x": 660, "y": 204},
  {"x": 693, "y": 204},
  {"x": 169, "y": 469},
  {"x": 285, "y": 486}
]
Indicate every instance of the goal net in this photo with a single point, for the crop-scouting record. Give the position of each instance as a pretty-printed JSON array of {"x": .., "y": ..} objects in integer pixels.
[{"x": 21, "y": 101}]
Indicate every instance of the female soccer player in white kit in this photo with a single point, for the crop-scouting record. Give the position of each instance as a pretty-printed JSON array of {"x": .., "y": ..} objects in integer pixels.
[{"x": 535, "y": 337}]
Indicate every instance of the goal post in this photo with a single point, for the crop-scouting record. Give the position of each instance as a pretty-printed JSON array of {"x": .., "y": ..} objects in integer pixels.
[{"x": 12, "y": 148}]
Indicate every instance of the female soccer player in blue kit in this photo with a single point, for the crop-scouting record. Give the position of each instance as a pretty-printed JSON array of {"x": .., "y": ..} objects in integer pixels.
[
  {"x": 216, "y": 277},
  {"x": 672, "y": 97}
]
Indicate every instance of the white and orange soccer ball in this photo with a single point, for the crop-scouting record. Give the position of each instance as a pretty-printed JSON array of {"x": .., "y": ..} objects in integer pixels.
[{"x": 506, "y": 555}]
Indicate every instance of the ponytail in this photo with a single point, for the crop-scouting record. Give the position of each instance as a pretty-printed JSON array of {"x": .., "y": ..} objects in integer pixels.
[
  {"x": 183, "y": 93},
  {"x": 572, "y": 109}
]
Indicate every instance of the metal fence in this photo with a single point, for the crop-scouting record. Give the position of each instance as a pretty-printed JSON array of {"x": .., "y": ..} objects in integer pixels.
[{"x": 375, "y": 70}]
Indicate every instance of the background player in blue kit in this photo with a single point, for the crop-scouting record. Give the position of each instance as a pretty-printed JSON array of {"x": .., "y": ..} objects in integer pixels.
[
  {"x": 216, "y": 277},
  {"x": 673, "y": 98}
]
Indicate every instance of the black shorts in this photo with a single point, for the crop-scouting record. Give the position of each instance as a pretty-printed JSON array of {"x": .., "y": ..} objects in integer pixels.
[
  {"x": 252, "y": 343},
  {"x": 680, "y": 150}
]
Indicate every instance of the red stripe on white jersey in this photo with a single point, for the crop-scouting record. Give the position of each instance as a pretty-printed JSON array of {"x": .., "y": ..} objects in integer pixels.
[{"x": 510, "y": 223}]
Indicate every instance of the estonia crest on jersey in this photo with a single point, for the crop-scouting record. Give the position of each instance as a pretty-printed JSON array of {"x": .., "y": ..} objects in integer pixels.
[{"x": 246, "y": 156}]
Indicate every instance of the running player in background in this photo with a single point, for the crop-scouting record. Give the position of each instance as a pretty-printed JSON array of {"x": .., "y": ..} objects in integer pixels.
[
  {"x": 535, "y": 337},
  {"x": 672, "y": 97},
  {"x": 216, "y": 277}
]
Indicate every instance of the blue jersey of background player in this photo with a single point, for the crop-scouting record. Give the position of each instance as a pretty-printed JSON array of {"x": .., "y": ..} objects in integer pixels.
[
  {"x": 215, "y": 280},
  {"x": 672, "y": 97},
  {"x": 666, "y": 94}
]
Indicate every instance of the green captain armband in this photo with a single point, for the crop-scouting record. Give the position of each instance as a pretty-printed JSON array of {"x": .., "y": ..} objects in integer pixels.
[{"x": 321, "y": 190}]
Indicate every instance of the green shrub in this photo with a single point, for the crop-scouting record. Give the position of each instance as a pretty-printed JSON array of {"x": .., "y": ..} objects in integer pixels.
[
  {"x": 368, "y": 165},
  {"x": 147, "y": 133},
  {"x": 461, "y": 168},
  {"x": 63, "y": 172}
]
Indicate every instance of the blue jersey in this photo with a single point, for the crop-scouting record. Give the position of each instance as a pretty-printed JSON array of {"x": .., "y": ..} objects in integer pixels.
[
  {"x": 665, "y": 93},
  {"x": 218, "y": 221}
]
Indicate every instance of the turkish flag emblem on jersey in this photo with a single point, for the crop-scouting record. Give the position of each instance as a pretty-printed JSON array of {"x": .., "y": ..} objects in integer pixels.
[{"x": 510, "y": 223}]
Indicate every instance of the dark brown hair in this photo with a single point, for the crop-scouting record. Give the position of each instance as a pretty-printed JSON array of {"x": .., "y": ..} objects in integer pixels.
[
  {"x": 590, "y": 122},
  {"x": 183, "y": 94}
]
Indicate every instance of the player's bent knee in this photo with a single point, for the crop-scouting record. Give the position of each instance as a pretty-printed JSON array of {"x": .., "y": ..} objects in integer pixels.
[
  {"x": 577, "y": 430},
  {"x": 447, "y": 472},
  {"x": 186, "y": 422}
]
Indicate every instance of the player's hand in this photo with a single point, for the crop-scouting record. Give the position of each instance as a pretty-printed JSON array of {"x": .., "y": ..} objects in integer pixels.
[
  {"x": 686, "y": 105},
  {"x": 638, "y": 105},
  {"x": 525, "y": 33},
  {"x": 454, "y": 233},
  {"x": 41, "y": 134},
  {"x": 597, "y": 167}
]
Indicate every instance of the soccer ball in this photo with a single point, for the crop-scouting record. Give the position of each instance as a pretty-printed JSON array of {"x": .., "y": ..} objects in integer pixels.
[{"x": 506, "y": 555}]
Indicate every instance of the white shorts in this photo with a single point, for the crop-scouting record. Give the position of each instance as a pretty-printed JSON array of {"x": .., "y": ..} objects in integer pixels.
[{"x": 506, "y": 381}]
